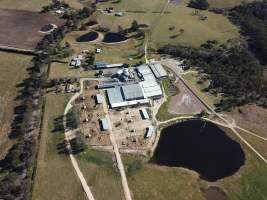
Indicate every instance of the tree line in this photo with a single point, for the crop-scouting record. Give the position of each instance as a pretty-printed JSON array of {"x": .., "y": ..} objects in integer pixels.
[
  {"x": 233, "y": 70},
  {"x": 19, "y": 164}
]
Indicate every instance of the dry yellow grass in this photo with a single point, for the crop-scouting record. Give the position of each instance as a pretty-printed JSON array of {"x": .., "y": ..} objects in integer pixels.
[{"x": 12, "y": 72}]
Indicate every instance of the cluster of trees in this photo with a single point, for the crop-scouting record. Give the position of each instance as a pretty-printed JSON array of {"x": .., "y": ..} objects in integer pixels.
[
  {"x": 199, "y": 4},
  {"x": 135, "y": 27},
  {"x": 252, "y": 19},
  {"x": 19, "y": 163},
  {"x": 54, "y": 5},
  {"x": 21, "y": 157},
  {"x": 73, "y": 118},
  {"x": 233, "y": 69}
]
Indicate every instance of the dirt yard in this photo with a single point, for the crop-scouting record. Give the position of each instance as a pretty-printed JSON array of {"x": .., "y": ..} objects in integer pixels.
[
  {"x": 20, "y": 29},
  {"x": 129, "y": 128},
  {"x": 91, "y": 113},
  {"x": 185, "y": 102}
]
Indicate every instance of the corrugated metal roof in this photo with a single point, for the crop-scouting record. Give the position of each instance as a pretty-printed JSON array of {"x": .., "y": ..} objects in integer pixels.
[
  {"x": 150, "y": 132},
  {"x": 100, "y": 65},
  {"x": 114, "y": 95},
  {"x": 133, "y": 91},
  {"x": 104, "y": 124},
  {"x": 99, "y": 98},
  {"x": 151, "y": 89},
  {"x": 144, "y": 69},
  {"x": 158, "y": 70},
  {"x": 144, "y": 113},
  {"x": 114, "y": 65}
]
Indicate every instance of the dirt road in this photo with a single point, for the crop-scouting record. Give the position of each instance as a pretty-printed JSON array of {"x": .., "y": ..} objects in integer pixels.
[{"x": 124, "y": 181}]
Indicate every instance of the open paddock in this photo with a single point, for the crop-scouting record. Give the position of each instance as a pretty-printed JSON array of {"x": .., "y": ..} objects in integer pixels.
[
  {"x": 20, "y": 29},
  {"x": 13, "y": 71}
]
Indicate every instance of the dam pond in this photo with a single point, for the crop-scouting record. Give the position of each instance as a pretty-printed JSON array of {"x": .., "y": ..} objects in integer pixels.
[{"x": 200, "y": 146}]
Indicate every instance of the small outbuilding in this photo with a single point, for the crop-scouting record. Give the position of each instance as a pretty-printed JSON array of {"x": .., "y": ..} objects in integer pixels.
[
  {"x": 119, "y": 14},
  {"x": 144, "y": 113},
  {"x": 99, "y": 99},
  {"x": 104, "y": 124},
  {"x": 150, "y": 131},
  {"x": 100, "y": 65}
]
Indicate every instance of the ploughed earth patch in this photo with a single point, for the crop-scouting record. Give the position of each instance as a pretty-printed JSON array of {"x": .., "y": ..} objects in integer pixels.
[
  {"x": 21, "y": 29},
  {"x": 200, "y": 146}
]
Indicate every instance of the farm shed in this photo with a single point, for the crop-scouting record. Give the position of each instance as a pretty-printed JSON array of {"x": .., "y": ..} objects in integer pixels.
[
  {"x": 104, "y": 124},
  {"x": 150, "y": 131},
  {"x": 144, "y": 113}
]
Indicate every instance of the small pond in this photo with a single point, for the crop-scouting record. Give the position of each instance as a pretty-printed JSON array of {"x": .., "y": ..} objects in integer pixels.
[
  {"x": 88, "y": 37},
  {"x": 200, "y": 146},
  {"x": 47, "y": 27},
  {"x": 114, "y": 37},
  {"x": 91, "y": 23}
]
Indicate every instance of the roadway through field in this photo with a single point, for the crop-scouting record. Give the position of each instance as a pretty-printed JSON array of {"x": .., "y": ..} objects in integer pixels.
[{"x": 124, "y": 181}]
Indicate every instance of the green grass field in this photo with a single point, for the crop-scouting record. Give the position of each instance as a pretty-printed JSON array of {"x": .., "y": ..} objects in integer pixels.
[
  {"x": 112, "y": 53},
  {"x": 62, "y": 70},
  {"x": 250, "y": 182},
  {"x": 55, "y": 177},
  {"x": 12, "y": 73},
  {"x": 150, "y": 181},
  {"x": 101, "y": 175},
  {"x": 196, "y": 31}
]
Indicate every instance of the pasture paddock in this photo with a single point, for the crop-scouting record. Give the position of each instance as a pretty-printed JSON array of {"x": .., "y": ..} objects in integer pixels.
[{"x": 20, "y": 29}]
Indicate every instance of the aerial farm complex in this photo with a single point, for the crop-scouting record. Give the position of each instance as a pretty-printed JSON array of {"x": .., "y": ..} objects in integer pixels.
[{"x": 133, "y": 100}]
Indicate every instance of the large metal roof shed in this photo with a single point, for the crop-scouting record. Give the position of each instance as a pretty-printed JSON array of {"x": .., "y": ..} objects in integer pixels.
[
  {"x": 132, "y": 92},
  {"x": 158, "y": 70}
]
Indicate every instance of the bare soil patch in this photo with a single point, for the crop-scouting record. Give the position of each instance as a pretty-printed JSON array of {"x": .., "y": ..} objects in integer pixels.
[
  {"x": 20, "y": 29},
  {"x": 185, "y": 102},
  {"x": 251, "y": 117}
]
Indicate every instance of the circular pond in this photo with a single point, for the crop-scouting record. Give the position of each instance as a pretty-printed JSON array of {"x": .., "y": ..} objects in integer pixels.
[
  {"x": 114, "y": 38},
  {"x": 200, "y": 146},
  {"x": 88, "y": 37}
]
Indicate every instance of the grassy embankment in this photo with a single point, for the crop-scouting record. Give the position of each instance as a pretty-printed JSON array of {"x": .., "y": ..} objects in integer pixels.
[{"x": 170, "y": 90}]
